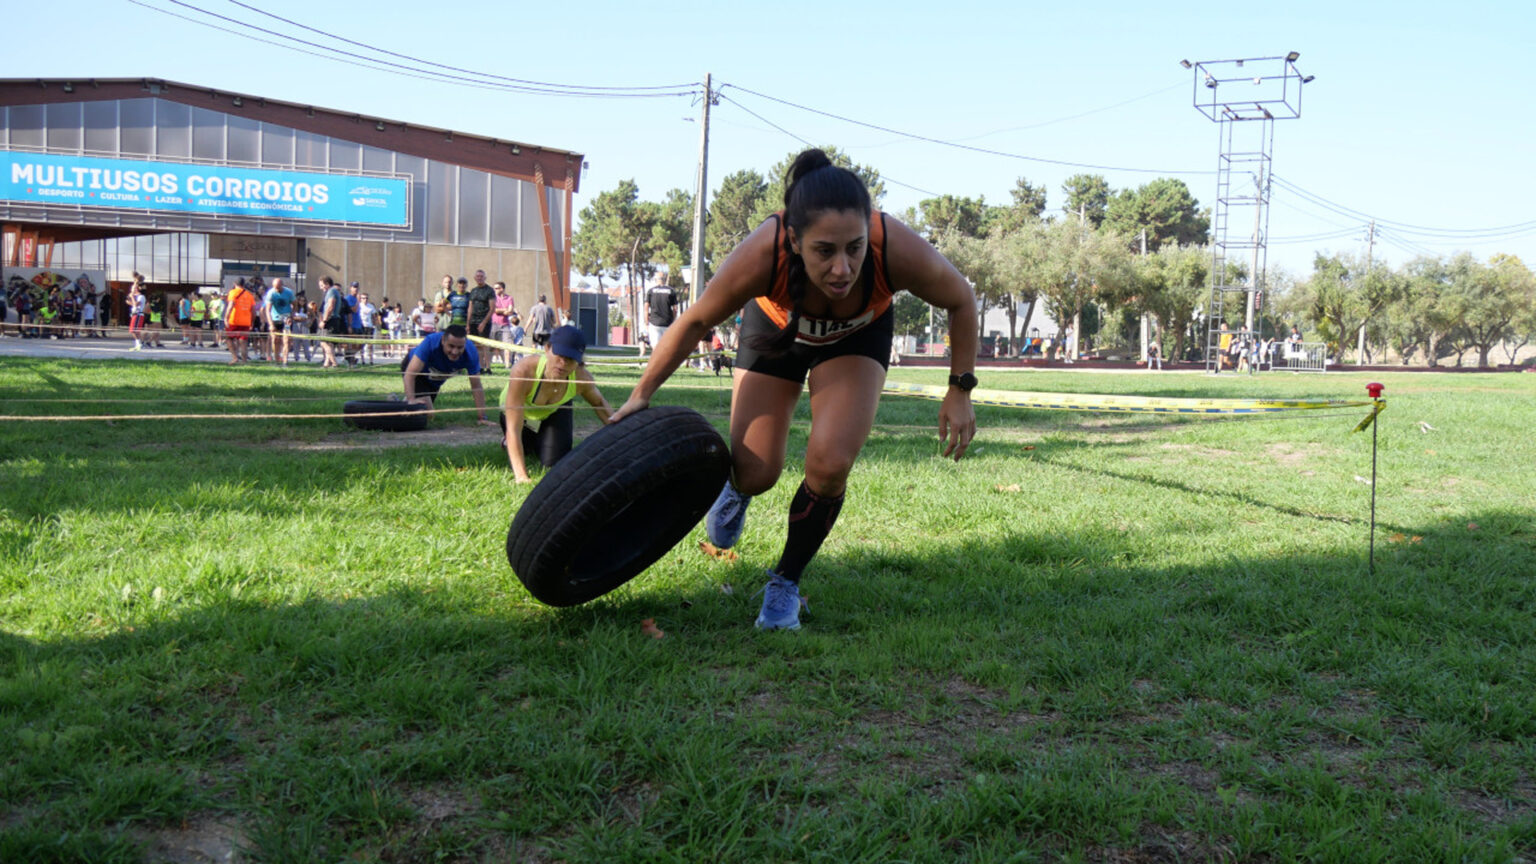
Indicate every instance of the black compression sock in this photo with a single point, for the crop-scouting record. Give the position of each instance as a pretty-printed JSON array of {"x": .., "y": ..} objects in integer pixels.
[{"x": 811, "y": 518}]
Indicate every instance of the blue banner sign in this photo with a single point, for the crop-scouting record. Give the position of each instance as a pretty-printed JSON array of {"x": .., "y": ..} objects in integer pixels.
[{"x": 89, "y": 181}]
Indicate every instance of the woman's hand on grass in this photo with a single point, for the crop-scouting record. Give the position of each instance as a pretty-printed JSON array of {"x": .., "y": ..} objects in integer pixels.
[{"x": 957, "y": 422}]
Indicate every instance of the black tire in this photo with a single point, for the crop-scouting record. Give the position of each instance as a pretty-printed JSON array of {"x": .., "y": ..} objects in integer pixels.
[
  {"x": 616, "y": 503},
  {"x": 389, "y": 416}
]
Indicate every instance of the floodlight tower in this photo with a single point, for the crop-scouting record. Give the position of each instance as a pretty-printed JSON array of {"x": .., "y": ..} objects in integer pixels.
[{"x": 1244, "y": 98}]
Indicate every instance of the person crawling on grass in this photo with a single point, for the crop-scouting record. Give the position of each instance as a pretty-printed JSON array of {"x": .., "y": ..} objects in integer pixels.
[
  {"x": 817, "y": 281},
  {"x": 537, "y": 401},
  {"x": 435, "y": 359}
]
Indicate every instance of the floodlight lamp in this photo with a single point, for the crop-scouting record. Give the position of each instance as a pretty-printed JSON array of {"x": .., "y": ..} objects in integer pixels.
[
  {"x": 1293, "y": 57},
  {"x": 1186, "y": 64},
  {"x": 1308, "y": 79},
  {"x": 69, "y": 87},
  {"x": 379, "y": 125},
  {"x": 516, "y": 150},
  {"x": 1210, "y": 82},
  {"x": 237, "y": 101}
]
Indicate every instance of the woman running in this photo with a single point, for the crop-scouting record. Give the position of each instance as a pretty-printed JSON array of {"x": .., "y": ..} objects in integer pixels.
[{"x": 817, "y": 282}]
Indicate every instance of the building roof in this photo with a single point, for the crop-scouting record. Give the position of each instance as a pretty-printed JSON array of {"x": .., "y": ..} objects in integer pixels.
[{"x": 560, "y": 169}]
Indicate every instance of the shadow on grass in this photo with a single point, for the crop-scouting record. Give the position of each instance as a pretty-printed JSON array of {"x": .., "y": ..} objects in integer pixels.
[{"x": 331, "y": 726}]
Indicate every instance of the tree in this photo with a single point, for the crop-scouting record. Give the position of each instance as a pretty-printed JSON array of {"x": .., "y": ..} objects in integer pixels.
[
  {"x": 773, "y": 197},
  {"x": 732, "y": 213},
  {"x": 1523, "y": 328},
  {"x": 1164, "y": 208},
  {"x": 949, "y": 215},
  {"x": 1433, "y": 305},
  {"x": 1170, "y": 284},
  {"x": 1344, "y": 295},
  {"x": 611, "y": 227},
  {"x": 1080, "y": 268},
  {"x": 976, "y": 260},
  {"x": 671, "y": 237},
  {"x": 1088, "y": 196},
  {"x": 1028, "y": 206},
  {"x": 1495, "y": 296}
]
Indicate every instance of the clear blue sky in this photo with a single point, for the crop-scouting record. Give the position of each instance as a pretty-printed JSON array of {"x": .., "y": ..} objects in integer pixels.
[{"x": 1418, "y": 114}]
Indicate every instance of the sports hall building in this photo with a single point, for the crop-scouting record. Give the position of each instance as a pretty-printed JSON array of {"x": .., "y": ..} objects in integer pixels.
[{"x": 192, "y": 186}]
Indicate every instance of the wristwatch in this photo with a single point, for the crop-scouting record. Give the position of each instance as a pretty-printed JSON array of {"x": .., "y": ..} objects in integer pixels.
[{"x": 966, "y": 381}]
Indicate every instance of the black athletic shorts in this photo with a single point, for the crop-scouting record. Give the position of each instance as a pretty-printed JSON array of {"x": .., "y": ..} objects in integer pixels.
[
  {"x": 874, "y": 341},
  {"x": 552, "y": 440}
]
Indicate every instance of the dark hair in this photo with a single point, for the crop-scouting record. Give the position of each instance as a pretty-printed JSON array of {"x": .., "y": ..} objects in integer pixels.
[
  {"x": 815, "y": 186},
  {"x": 457, "y": 331}
]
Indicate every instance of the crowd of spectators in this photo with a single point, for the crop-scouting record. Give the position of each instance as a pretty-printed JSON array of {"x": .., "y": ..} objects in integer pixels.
[{"x": 268, "y": 321}]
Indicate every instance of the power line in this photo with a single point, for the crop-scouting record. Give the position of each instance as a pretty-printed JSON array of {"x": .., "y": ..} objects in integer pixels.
[
  {"x": 959, "y": 146},
  {"x": 1519, "y": 228},
  {"x": 689, "y": 86},
  {"x": 480, "y": 80},
  {"x": 809, "y": 144}
]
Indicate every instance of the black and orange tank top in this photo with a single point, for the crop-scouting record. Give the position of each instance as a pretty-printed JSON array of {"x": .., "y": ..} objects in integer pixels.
[{"x": 876, "y": 284}]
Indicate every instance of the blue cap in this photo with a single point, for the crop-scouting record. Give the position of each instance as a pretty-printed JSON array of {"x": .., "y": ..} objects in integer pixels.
[{"x": 569, "y": 342}]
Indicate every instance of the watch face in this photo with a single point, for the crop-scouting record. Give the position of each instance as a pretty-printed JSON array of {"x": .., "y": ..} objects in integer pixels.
[{"x": 965, "y": 381}]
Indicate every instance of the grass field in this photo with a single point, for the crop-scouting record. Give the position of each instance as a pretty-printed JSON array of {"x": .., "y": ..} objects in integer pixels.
[{"x": 1110, "y": 638}]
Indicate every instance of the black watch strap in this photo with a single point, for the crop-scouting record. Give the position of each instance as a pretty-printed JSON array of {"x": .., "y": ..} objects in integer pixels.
[{"x": 966, "y": 381}]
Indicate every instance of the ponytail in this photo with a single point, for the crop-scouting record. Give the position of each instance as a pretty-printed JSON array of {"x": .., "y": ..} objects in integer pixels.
[{"x": 815, "y": 185}]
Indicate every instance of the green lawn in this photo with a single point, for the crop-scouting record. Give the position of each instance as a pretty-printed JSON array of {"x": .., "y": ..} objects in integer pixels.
[{"x": 1112, "y": 638}]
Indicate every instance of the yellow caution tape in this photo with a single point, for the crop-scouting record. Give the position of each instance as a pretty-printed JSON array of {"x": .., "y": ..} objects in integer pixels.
[
  {"x": 1125, "y": 404},
  {"x": 1380, "y": 405}
]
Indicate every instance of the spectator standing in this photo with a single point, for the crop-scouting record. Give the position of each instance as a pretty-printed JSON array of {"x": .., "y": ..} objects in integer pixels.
[
  {"x": 458, "y": 303},
  {"x": 482, "y": 300},
  {"x": 392, "y": 319},
  {"x": 303, "y": 314},
  {"x": 541, "y": 322},
  {"x": 444, "y": 291},
  {"x": 238, "y": 321},
  {"x": 87, "y": 316},
  {"x": 517, "y": 329},
  {"x": 423, "y": 319},
  {"x": 199, "y": 318},
  {"x": 333, "y": 317},
  {"x": 369, "y": 315},
  {"x": 661, "y": 310},
  {"x": 216, "y": 308},
  {"x": 501, "y": 323},
  {"x": 184, "y": 318},
  {"x": 137, "y": 311},
  {"x": 279, "y": 314}
]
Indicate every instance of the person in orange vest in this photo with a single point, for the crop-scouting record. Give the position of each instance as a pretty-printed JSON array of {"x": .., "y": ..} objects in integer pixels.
[{"x": 240, "y": 315}]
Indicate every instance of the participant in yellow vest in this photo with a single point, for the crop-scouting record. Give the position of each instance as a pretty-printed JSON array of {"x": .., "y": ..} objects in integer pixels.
[{"x": 199, "y": 319}]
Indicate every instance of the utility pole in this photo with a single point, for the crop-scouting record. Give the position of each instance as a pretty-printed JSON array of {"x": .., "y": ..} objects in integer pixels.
[
  {"x": 701, "y": 198},
  {"x": 1370, "y": 256}
]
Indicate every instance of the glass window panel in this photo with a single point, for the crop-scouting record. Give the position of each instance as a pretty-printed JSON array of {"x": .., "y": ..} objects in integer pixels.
[
  {"x": 101, "y": 126},
  {"x": 308, "y": 149},
  {"x": 244, "y": 139},
  {"x": 441, "y": 212},
  {"x": 207, "y": 135},
  {"x": 27, "y": 125},
  {"x": 474, "y": 198},
  {"x": 173, "y": 122},
  {"x": 64, "y": 126},
  {"x": 531, "y": 235},
  {"x": 504, "y": 199},
  {"x": 375, "y": 159},
  {"x": 346, "y": 155},
  {"x": 137, "y": 118},
  {"x": 276, "y": 145}
]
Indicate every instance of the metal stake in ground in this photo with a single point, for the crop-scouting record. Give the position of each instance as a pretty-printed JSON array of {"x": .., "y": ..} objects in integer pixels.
[{"x": 1374, "y": 391}]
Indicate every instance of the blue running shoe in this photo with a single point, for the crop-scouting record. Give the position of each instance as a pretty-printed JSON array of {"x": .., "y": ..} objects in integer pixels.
[
  {"x": 781, "y": 605},
  {"x": 727, "y": 517}
]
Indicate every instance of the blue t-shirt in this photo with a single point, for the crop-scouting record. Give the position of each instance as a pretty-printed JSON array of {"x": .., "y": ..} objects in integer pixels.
[
  {"x": 281, "y": 301},
  {"x": 354, "y": 318},
  {"x": 431, "y": 354}
]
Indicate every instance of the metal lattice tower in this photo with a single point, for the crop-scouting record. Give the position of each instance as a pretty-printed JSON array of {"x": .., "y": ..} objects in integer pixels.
[{"x": 1244, "y": 98}]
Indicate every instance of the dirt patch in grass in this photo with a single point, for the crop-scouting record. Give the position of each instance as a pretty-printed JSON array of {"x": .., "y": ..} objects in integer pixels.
[{"x": 199, "y": 840}]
